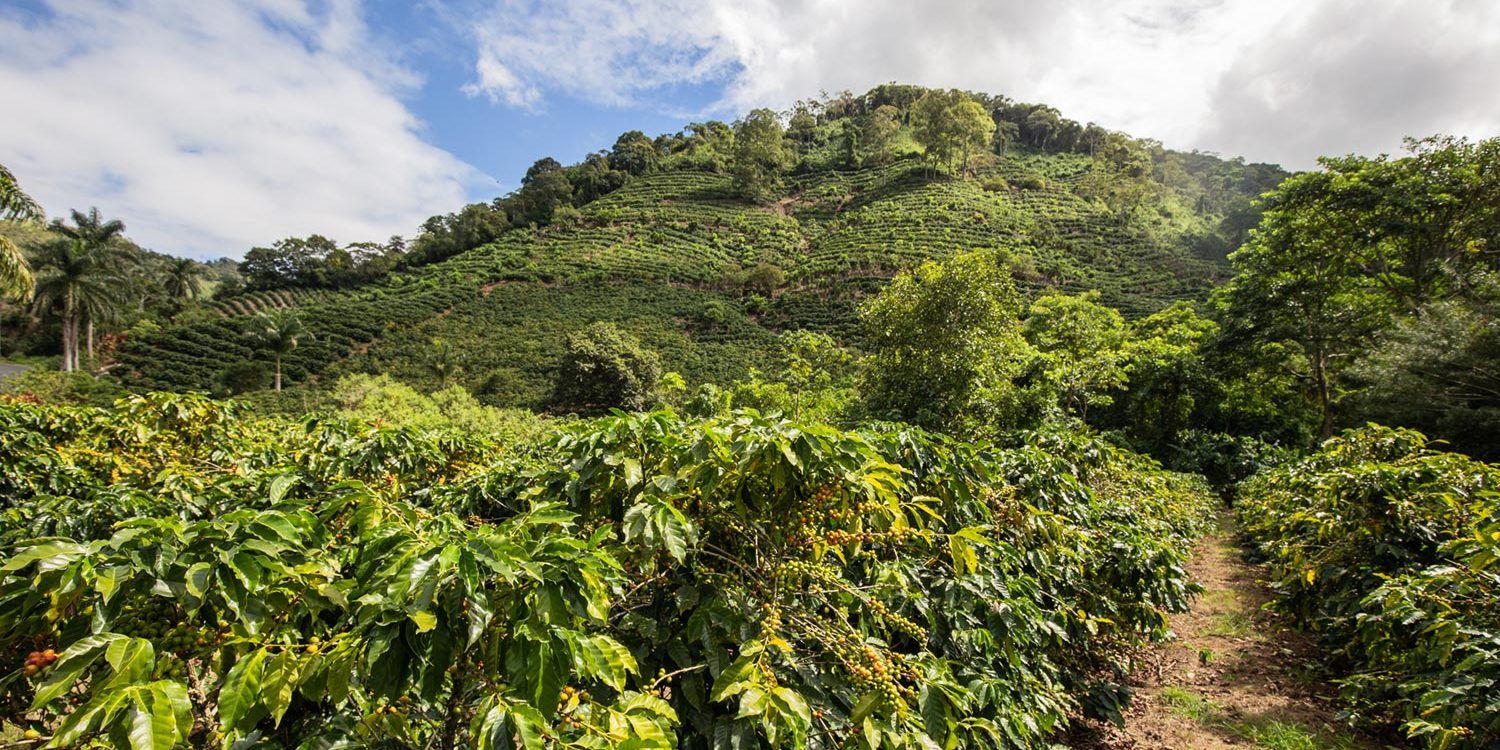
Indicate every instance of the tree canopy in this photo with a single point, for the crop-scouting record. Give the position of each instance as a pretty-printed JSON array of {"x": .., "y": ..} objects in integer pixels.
[
  {"x": 604, "y": 367},
  {"x": 945, "y": 343}
]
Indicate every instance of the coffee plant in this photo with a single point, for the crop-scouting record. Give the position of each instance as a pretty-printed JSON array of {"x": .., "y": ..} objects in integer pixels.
[
  {"x": 1390, "y": 551},
  {"x": 184, "y": 574}
]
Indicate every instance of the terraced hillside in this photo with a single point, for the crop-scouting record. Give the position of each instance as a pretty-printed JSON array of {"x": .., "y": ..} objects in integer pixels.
[{"x": 666, "y": 256}]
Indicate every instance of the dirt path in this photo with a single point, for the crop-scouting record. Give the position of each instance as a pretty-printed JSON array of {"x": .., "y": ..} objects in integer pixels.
[{"x": 1234, "y": 677}]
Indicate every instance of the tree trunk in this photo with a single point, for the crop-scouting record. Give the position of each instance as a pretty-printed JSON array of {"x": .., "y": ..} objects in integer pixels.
[
  {"x": 1320, "y": 374},
  {"x": 90, "y": 335},
  {"x": 70, "y": 342},
  {"x": 278, "y": 373}
]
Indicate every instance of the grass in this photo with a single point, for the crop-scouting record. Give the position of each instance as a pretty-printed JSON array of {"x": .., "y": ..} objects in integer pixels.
[
  {"x": 1230, "y": 625},
  {"x": 1270, "y": 734}
]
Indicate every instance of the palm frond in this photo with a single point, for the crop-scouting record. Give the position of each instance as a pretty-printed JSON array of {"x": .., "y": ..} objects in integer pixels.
[
  {"x": 15, "y": 204},
  {"x": 16, "y": 280}
]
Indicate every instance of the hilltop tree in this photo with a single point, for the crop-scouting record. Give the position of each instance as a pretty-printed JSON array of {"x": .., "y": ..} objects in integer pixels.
[
  {"x": 1006, "y": 134},
  {"x": 802, "y": 126},
  {"x": 605, "y": 367},
  {"x": 1042, "y": 125},
  {"x": 945, "y": 344},
  {"x": 595, "y": 178},
  {"x": 633, "y": 153},
  {"x": 294, "y": 261},
  {"x": 544, "y": 189},
  {"x": 74, "y": 283},
  {"x": 16, "y": 280},
  {"x": 950, "y": 124},
  {"x": 880, "y": 130},
  {"x": 278, "y": 332},
  {"x": 447, "y": 235},
  {"x": 1120, "y": 176},
  {"x": 760, "y": 155}
]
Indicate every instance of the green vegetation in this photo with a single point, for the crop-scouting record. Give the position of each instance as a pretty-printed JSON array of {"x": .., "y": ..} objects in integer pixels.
[
  {"x": 1387, "y": 549},
  {"x": 912, "y": 375},
  {"x": 15, "y": 205},
  {"x": 207, "y": 577},
  {"x": 1269, "y": 734},
  {"x": 606, "y": 368},
  {"x": 787, "y": 225}
]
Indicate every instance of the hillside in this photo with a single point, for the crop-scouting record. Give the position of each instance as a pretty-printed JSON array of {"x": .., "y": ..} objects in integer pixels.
[{"x": 673, "y": 256}]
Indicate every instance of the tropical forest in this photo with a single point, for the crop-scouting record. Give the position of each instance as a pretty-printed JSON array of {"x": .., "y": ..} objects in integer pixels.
[{"x": 913, "y": 419}]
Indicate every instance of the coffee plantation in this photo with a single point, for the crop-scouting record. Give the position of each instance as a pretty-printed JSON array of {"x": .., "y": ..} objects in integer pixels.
[{"x": 208, "y": 578}]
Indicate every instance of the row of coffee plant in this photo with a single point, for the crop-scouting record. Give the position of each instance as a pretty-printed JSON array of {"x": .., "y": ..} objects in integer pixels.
[
  {"x": 180, "y": 573},
  {"x": 1390, "y": 551}
]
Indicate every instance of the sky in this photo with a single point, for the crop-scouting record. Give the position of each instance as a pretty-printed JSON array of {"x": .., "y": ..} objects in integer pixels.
[{"x": 213, "y": 126}]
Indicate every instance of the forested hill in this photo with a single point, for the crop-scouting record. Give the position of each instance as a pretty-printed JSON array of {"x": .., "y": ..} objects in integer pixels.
[{"x": 706, "y": 243}]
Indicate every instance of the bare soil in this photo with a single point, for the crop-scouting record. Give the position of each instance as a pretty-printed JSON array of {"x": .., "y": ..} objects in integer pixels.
[{"x": 1234, "y": 675}]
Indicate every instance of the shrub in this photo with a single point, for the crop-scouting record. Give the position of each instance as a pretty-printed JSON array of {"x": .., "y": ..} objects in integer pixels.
[
  {"x": 244, "y": 376},
  {"x": 1388, "y": 550},
  {"x": 54, "y": 387},
  {"x": 178, "y": 567},
  {"x": 605, "y": 367}
]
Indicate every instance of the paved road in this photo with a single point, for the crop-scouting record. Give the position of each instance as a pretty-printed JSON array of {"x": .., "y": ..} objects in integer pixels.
[{"x": 7, "y": 369}]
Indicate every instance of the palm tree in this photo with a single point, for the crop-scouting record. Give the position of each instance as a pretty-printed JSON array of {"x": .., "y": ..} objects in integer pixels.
[
  {"x": 100, "y": 238},
  {"x": 73, "y": 283},
  {"x": 91, "y": 228},
  {"x": 182, "y": 279},
  {"x": 16, "y": 280},
  {"x": 278, "y": 332}
]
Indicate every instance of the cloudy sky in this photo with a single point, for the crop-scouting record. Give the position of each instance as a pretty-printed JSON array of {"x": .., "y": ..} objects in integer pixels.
[{"x": 210, "y": 126}]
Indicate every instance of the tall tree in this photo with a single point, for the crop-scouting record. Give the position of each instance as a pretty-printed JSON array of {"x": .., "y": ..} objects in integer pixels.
[
  {"x": 73, "y": 283},
  {"x": 950, "y": 124},
  {"x": 544, "y": 189},
  {"x": 945, "y": 345},
  {"x": 16, "y": 280},
  {"x": 182, "y": 279},
  {"x": 881, "y": 127},
  {"x": 100, "y": 237},
  {"x": 760, "y": 155},
  {"x": 634, "y": 153},
  {"x": 1300, "y": 284},
  {"x": 278, "y": 332}
]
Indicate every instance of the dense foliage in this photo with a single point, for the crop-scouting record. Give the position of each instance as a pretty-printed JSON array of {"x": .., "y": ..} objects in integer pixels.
[
  {"x": 1388, "y": 549},
  {"x": 198, "y": 576},
  {"x": 1349, "y": 256},
  {"x": 423, "y": 564}
]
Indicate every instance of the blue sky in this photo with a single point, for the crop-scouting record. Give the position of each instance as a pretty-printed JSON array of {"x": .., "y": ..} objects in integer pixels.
[{"x": 213, "y": 126}]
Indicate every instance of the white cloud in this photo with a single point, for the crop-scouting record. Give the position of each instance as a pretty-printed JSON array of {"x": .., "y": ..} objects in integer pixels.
[
  {"x": 1238, "y": 76},
  {"x": 210, "y": 127},
  {"x": 1355, "y": 77},
  {"x": 608, "y": 51}
]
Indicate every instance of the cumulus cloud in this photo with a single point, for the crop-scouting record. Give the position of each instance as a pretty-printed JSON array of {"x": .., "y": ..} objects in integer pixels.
[
  {"x": 1279, "y": 80},
  {"x": 211, "y": 127},
  {"x": 1355, "y": 77},
  {"x": 608, "y": 51}
]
